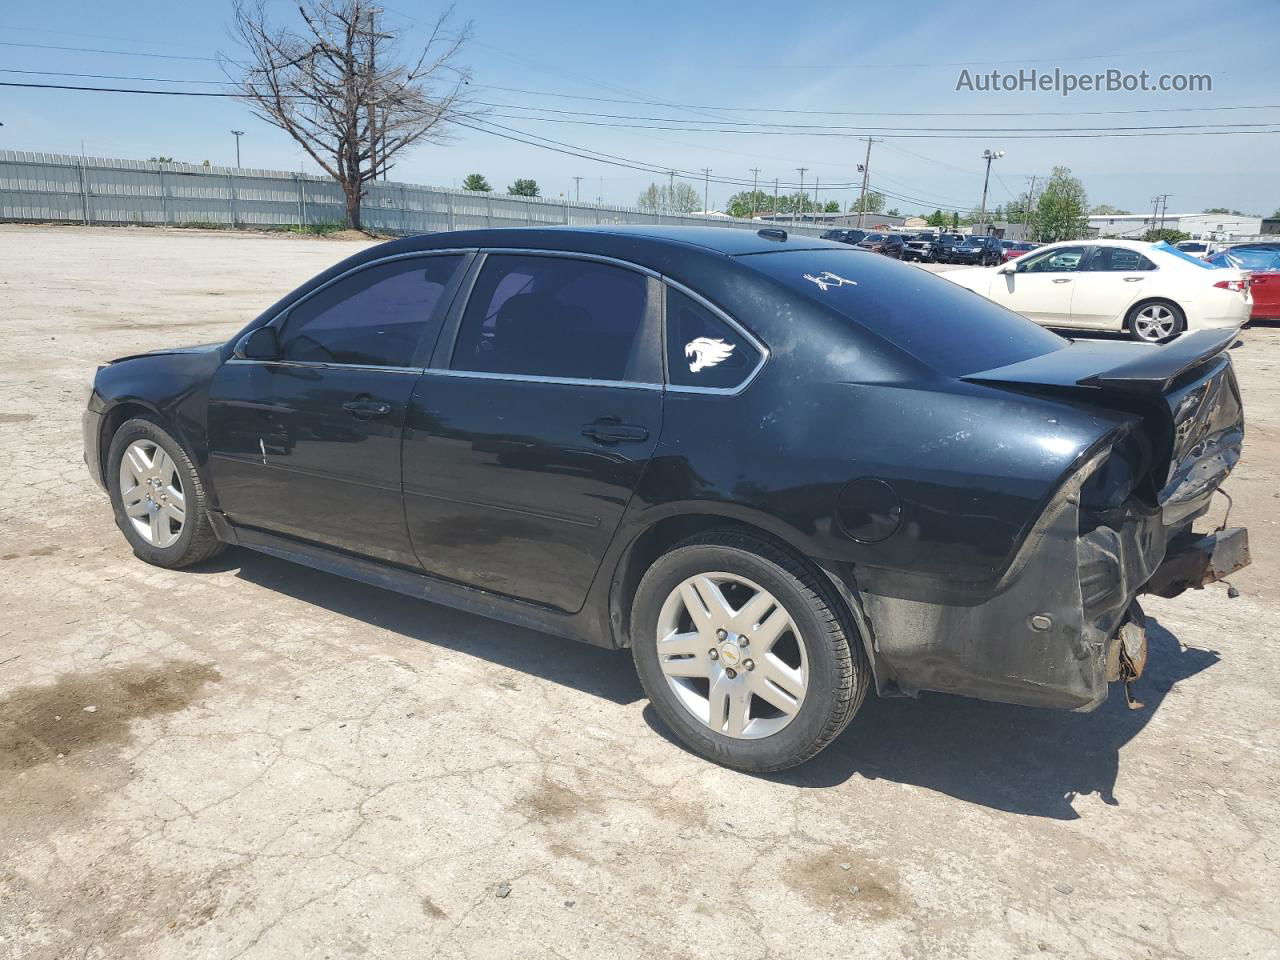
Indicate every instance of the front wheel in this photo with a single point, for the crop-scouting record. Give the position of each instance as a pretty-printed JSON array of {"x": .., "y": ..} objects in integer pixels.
[
  {"x": 744, "y": 653},
  {"x": 158, "y": 499},
  {"x": 1155, "y": 321}
]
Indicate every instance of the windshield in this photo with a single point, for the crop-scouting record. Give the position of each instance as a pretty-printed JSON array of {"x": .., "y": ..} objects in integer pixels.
[{"x": 948, "y": 328}]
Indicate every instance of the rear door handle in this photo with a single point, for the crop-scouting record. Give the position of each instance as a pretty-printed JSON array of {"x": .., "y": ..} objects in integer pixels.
[
  {"x": 1061, "y": 279},
  {"x": 612, "y": 430},
  {"x": 1132, "y": 279},
  {"x": 365, "y": 407}
]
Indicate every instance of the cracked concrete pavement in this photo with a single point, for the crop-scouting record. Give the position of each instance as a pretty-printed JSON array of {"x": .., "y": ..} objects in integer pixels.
[{"x": 280, "y": 763}]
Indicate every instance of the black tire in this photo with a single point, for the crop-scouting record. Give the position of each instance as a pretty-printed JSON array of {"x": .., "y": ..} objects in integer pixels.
[
  {"x": 196, "y": 541},
  {"x": 839, "y": 675},
  {"x": 1132, "y": 325}
]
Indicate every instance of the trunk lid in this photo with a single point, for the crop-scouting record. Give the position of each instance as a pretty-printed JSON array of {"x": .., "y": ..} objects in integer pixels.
[{"x": 1185, "y": 391}]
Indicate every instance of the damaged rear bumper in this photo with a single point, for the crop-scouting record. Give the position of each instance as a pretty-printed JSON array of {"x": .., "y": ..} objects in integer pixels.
[{"x": 1193, "y": 561}]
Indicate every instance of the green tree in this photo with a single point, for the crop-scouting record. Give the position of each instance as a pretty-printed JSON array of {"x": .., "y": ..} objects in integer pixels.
[
  {"x": 1167, "y": 235},
  {"x": 524, "y": 188},
  {"x": 955, "y": 220},
  {"x": 936, "y": 219},
  {"x": 1061, "y": 209},
  {"x": 893, "y": 212},
  {"x": 1231, "y": 213},
  {"x": 873, "y": 202},
  {"x": 747, "y": 203},
  {"x": 162, "y": 160},
  {"x": 831, "y": 206},
  {"x": 1107, "y": 210},
  {"x": 477, "y": 182}
]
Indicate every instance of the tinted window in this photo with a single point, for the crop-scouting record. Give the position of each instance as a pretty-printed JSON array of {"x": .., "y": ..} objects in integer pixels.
[
  {"x": 703, "y": 350},
  {"x": 953, "y": 330},
  {"x": 1061, "y": 260},
  {"x": 1118, "y": 258},
  {"x": 373, "y": 317},
  {"x": 558, "y": 317}
]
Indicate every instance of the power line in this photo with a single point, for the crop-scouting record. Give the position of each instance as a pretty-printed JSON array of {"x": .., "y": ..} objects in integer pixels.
[
  {"x": 115, "y": 76},
  {"x": 866, "y": 113},
  {"x": 120, "y": 53}
]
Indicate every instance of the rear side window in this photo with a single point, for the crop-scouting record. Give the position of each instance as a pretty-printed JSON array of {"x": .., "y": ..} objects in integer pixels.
[
  {"x": 703, "y": 350},
  {"x": 374, "y": 317},
  {"x": 946, "y": 327},
  {"x": 1118, "y": 258},
  {"x": 559, "y": 317}
]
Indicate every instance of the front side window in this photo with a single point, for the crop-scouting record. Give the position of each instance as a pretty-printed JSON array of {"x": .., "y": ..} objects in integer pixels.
[
  {"x": 559, "y": 317},
  {"x": 1061, "y": 260},
  {"x": 703, "y": 350},
  {"x": 375, "y": 317},
  {"x": 1118, "y": 258}
]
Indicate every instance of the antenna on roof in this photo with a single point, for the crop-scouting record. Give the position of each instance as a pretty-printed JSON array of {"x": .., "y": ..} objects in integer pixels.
[{"x": 772, "y": 233}]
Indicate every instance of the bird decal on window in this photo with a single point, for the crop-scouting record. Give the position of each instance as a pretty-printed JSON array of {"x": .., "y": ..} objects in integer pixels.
[
  {"x": 705, "y": 352},
  {"x": 827, "y": 279}
]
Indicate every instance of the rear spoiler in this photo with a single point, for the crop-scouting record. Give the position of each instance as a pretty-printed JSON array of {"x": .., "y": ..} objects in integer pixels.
[
  {"x": 1112, "y": 364},
  {"x": 1159, "y": 368}
]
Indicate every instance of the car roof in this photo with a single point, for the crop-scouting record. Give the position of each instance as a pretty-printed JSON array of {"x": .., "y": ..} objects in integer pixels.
[{"x": 730, "y": 241}]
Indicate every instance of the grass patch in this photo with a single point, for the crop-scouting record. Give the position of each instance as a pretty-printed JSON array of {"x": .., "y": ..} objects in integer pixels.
[{"x": 324, "y": 228}]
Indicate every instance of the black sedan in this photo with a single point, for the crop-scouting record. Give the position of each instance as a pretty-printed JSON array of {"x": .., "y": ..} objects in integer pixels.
[
  {"x": 920, "y": 247},
  {"x": 782, "y": 472}
]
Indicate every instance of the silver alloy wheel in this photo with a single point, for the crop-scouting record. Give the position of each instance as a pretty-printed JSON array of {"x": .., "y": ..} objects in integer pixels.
[
  {"x": 732, "y": 655},
  {"x": 152, "y": 494},
  {"x": 1154, "y": 322}
]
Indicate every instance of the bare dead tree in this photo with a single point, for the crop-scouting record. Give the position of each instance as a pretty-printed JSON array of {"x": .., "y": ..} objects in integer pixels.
[{"x": 337, "y": 85}]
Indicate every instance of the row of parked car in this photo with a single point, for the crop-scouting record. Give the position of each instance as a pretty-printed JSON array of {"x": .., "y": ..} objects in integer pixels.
[{"x": 929, "y": 247}]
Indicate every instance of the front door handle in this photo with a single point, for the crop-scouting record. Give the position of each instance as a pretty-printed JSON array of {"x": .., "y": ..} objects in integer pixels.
[
  {"x": 366, "y": 407},
  {"x": 612, "y": 430},
  {"x": 1061, "y": 279},
  {"x": 1132, "y": 279}
]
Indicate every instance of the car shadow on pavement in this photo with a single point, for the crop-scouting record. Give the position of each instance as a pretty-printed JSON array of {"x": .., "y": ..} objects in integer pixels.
[
  {"x": 608, "y": 674},
  {"x": 1017, "y": 759}
]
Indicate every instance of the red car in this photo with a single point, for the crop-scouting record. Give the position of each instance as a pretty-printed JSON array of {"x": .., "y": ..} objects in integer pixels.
[
  {"x": 1014, "y": 249},
  {"x": 1263, "y": 260}
]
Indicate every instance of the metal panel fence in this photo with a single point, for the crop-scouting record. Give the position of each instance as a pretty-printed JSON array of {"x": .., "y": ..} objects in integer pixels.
[{"x": 47, "y": 187}]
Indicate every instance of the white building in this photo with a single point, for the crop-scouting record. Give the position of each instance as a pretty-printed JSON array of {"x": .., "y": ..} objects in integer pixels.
[{"x": 1201, "y": 226}]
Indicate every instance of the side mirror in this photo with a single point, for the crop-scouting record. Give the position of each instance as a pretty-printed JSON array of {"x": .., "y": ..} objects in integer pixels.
[
  {"x": 260, "y": 344},
  {"x": 1010, "y": 267}
]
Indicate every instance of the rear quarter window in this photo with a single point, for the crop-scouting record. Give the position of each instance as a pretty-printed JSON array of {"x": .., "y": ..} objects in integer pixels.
[{"x": 943, "y": 325}]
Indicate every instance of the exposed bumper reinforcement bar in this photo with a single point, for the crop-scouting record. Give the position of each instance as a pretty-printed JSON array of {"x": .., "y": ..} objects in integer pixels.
[{"x": 1194, "y": 561}]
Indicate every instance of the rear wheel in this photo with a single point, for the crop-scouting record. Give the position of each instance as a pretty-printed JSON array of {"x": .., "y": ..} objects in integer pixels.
[
  {"x": 1155, "y": 320},
  {"x": 743, "y": 652},
  {"x": 159, "y": 502}
]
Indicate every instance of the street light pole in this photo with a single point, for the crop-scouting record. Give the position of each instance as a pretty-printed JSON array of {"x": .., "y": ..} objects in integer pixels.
[
  {"x": 803, "y": 197},
  {"x": 987, "y": 155},
  {"x": 755, "y": 188},
  {"x": 237, "y": 134},
  {"x": 706, "y": 190}
]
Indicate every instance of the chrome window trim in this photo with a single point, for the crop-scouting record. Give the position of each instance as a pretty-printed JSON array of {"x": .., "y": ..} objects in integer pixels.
[
  {"x": 322, "y": 365},
  {"x": 532, "y": 378},
  {"x": 734, "y": 325},
  {"x": 573, "y": 255}
]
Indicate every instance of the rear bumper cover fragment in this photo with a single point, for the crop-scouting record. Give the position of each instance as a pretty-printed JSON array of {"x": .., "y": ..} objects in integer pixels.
[{"x": 1193, "y": 561}]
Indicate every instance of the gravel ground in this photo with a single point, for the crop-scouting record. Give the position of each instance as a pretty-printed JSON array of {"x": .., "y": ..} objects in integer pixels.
[{"x": 251, "y": 759}]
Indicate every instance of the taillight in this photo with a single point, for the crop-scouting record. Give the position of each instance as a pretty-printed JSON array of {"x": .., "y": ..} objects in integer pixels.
[{"x": 1239, "y": 286}]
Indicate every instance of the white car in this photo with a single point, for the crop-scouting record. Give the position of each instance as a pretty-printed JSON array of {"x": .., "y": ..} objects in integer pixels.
[{"x": 1150, "y": 291}]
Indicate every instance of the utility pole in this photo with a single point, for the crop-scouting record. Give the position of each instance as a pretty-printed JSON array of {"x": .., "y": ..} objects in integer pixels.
[
  {"x": 987, "y": 155},
  {"x": 776, "y": 211},
  {"x": 577, "y": 189},
  {"x": 862, "y": 197},
  {"x": 803, "y": 196},
  {"x": 237, "y": 134},
  {"x": 706, "y": 190},
  {"x": 817, "y": 208},
  {"x": 755, "y": 188},
  {"x": 1164, "y": 208}
]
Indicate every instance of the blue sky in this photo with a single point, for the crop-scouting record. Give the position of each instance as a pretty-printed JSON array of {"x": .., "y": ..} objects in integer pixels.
[{"x": 832, "y": 58}]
